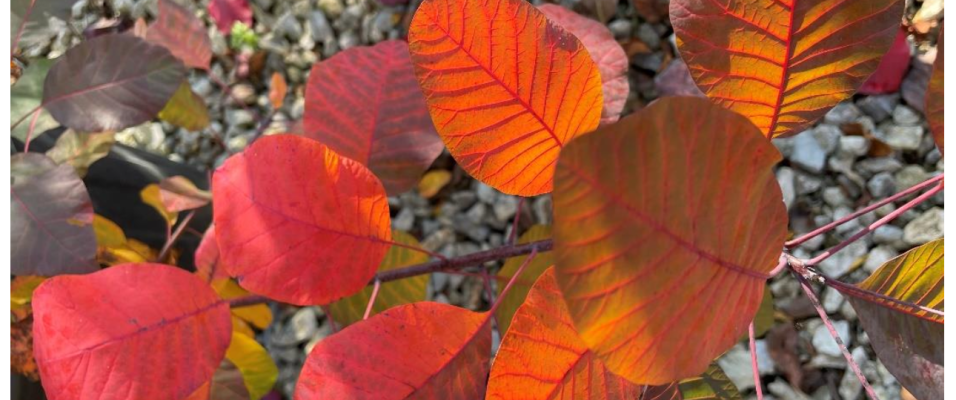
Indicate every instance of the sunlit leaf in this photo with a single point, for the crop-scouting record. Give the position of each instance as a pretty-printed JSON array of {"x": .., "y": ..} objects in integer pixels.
[
  {"x": 542, "y": 357},
  {"x": 152, "y": 197},
  {"x": 298, "y": 223},
  {"x": 419, "y": 350},
  {"x": 604, "y": 50},
  {"x": 277, "y": 90},
  {"x": 433, "y": 182},
  {"x": 227, "y": 12},
  {"x": 713, "y": 384},
  {"x": 258, "y": 370},
  {"x": 186, "y": 109},
  {"x": 26, "y": 95},
  {"x": 259, "y": 315},
  {"x": 403, "y": 291},
  {"x": 51, "y": 216},
  {"x": 111, "y": 82},
  {"x": 81, "y": 149},
  {"x": 504, "y": 104},
  {"x": 908, "y": 341},
  {"x": 117, "y": 330},
  {"x": 666, "y": 272},
  {"x": 934, "y": 96},
  {"x": 178, "y": 193},
  {"x": 21, "y": 290},
  {"x": 178, "y": 29},
  {"x": 515, "y": 297},
  {"x": 365, "y": 104},
  {"x": 29, "y": 20},
  {"x": 783, "y": 63}
]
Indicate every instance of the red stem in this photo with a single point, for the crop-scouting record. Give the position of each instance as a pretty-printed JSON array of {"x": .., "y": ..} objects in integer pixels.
[
  {"x": 882, "y": 221},
  {"x": 371, "y": 299},
  {"x": 171, "y": 239},
  {"x": 514, "y": 225},
  {"x": 504, "y": 292},
  {"x": 33, "y": 125},
  {"x": 836, "y": 336},
  {"x": 782, "y": 265},
  {"x": 826, "y": 228},
  {"x": 753, "y": 362}
]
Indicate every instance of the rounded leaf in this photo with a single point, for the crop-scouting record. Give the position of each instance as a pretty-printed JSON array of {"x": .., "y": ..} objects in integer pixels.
[
  {"x": 420, "y": 350},
  {"x": 114, "y": 333},
  {"x": 298, "y": 223},
  {"x": 664, "y": 273},
  {"x": 111, "y": 82},
  {"x": 365, "y": 104},
  {"x": 783, "y": 63},
  {"x": 503, "y": 103}
]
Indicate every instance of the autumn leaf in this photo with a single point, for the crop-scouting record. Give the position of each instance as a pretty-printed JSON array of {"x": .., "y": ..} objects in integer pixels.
[
  {"x": 611, "y": 61},
  {"x": 111, "y": 82},
  {"x": 783, "y": 64},
  {"x": 259, "y": 372},
  {"x": 227, "y": 12},
  {"x": 186, "y": 109},
  {"x": 258, "y": 315},
  {"x": 433, "y": 182},
  {"x": 506, "y": 104},
  {"x": 114, "y": 248},
  {"x": 686, "y": 244},
  {"x": 298, "y": 223},
  {"x": 21, "y": 291},
  {"x": 226, "y": 384},
  {"x": 713, "y": 384},
  {"x": 178, "y": 193},
  {"x": 277, "y": 90},
  {"x": 934, "y": 96},
  {"x": 888, "y": 76},
  {"x": 522, "y": 285},
  {"x": 207, "y": 257},
  {"x": 178, "y": 29},
  {"x": 908, "y": 341},
  {"x": 152, "y": 197},
  {"x": 365, "y": 104},
  {"x": 118, "y": 329},
  {"x": 542, "y": 336},
  {"x": 418, "y": 350},
  {"x": 403, "y": 291},
  {"x": 52, "y": 216},
  {"x": 81, "y": 150}
]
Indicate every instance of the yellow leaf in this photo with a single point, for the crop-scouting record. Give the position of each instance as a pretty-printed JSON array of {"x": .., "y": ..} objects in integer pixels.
[
  {"x": 151, "y": 196},
  {"x": 107, "y": 232},
  {"x": 186, "y": 109},
  {"x": 433, "y": 182},
  {"x": 258, "y": 315},
  {"x": 81, "y": 149},
  {"x": 242, "y": 327},
  {"x": 258, "y": 370},
  {"x": 21, "y": 290}
]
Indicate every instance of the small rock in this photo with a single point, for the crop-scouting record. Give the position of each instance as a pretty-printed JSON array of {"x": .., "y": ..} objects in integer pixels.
[
  {"x": 835, "y": 197},
  {"x": 505, "y": 208},
  {"x": 910, "y": 176},
  {"x": 786, "y": 177},
  {"x": 927, "y": 227},
  {"x": 464, "y": 199},
  {"x": 887, "y": 234},
  {"x": 765, "y": 363},
  {"x": 905, "y": 116},
  {"x": 784, "y": 146},
  {"x": 542, "y": 210},
  {"x": 881, "y": 185},
  {"x": 843, "y": 113},
  {"x": 486, "y": 194},
  {"x": 808, "y": 154},
  {"x": 848, "y": 312},
  {"x": 304, "y": 324},
  {"x": 879, "y": 107},
  {"x": 332, "y": 8},
  {"x": 239, "y": 118},
  {"x": 647, "y": 35},
  {"x": 288, "y": 26},
  {"x": 879, "y": 256},
  {"x": 832, "y": 300},
  {"x": 244, "y": 93},
  {"x": 736, "y": 364},
  {"x": 349, "y": 39},
  {"x": 872, "y": 166},
  {"x": 842, "y": 261},
  {"x": 621, "y": 28},
  {"x": 854, "y": 145},
  {"x": 476, "y": 214},
  {"x": 828, "y": 136},
  {"x": 237, "y": 143},
  {"x": 824, "y": 343},
  {"x": 813, "y": 243},
  {"x": 404, "y": 221},
  {"x": 783, "y": 390},
  {"x": 806, "y": 184},
  {"x": 904, "y": 137}
]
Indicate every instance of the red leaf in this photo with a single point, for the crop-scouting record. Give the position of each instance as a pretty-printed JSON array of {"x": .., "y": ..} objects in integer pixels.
[
  {"x": 179, "y": 30},
  {"x": 133, "y": 331},
  {"x": 365, "y": 104},
  {"x": 934, "y": 96},
  {"x": 207, "y": 257},
  {"x": 297, "y": 222},
  {"x": 420, "y": 350},
  {"x": 228, "y": 12},
  {"x": 51, "y": 219},
  {"x": 605, "y": 51},
  {"x": 889, "y": 74},
  {"x": 110, "y": 83},
  {"x": 179, "y": 194}
]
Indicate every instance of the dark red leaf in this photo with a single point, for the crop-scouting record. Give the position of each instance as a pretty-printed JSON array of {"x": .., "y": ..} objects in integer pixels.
[
  {"x": 51, "y": 218},
  {"x": 228, "y": 12},
  {"x": 889, "y": 74},
  {"x": 111, "y": 82},
  {"x": 182, "y": 33},
  {"x": 365, "y": 104},
  {"x": 133, "y": 331}
]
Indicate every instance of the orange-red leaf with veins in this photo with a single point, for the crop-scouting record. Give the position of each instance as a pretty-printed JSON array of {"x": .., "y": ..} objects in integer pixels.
[
  {"x": 665, "y": 273},
  {"x": 365, "y": 104},
  {"x": 934, "y": 95},
  {"x": 783, "y": 63},
  {"x": 416, "y": 351},
  {"x": 178, "y": 29},
  {"x": 605, "y": 51},
  {"x": 542, "y": 335},
  {"x": 132, "y": 331},
  {"x": 297, "y": 222},
  {"x": 506, "y": 88}
]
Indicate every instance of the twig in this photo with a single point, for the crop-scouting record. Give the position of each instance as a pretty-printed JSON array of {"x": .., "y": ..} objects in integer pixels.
[
  {"x": 836, "y": 336},
  {"x": 753, "y": 362},
  {"x": 371, "y": 299},
  {"x": 514, "y": 225},
  {"x": 33, "y": 125},
  {"x": 782, "y": 265},
  {"x": 514, "y": 278},
  {"x": 826, "y": 228},
  {"x": 175, "y": 236}
]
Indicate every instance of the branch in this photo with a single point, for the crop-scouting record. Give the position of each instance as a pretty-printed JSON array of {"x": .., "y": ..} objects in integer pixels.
[{"x": 753, "y": 362}]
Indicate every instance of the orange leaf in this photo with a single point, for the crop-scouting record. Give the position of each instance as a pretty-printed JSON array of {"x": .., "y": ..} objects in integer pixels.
[
  {"x": 178, "y": 193},
  {"x": 504, "y": 103},
  {"x": 420, "y": 350},
  {"x": 783, "y": 63},
  {"x": 277, "y": 90},
  {"x": 934, "y": 95},
  {"x": 664, "y": 273},
  {"x": 298, "y": 223},
  {"x": 542, "y": 335}
]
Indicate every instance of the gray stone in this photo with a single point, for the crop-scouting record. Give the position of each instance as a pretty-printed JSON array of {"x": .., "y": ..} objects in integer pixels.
[
  {"x": 905, "y": 116},
  {"x": 332, "y": 8},
  {"x": 404, "y": 221},
  {"x": 904, "y": 137},
  {"x": 304, "y": 324},
  {"x": 542, "y": 210},
  {"x": 784, "y": 146},
  {"x": 872, "y": 166},
  {"x": 621, "y": 28},
  {"x": 237, "y": 143},
  {"x": 808, "y": 154},
  {"x": 843, "y": 113},
  {"x": 828, "y": 136},
  {"x": 878, "y": 256},
  {"x": 835, "y": 197},
  {"x": 349, "y": 39},
  {"x": 910, "y": 176},
  {"x": 505, "y": 208},
  {"x": 806, "y": 184},
  {"x": 824, "y": 343},
  {"x": 881, "y": 185},
  {"x": 736, "y": 364},
  {"x": 786, "y": 177},
  {"x": 927, "y": 227},
  {"x": 887, "y": 234},
  {"x": 244, "y": 93},
  {"x": 784, "y": 391},
  {"x": 477, "y": 213},
  {"x": 486, "y": 194},
  {"x": 848, "y": 312},
  {"x": 813, "y": 243},
  {"x": 464, "y": 199},
  {"x": 832, "y": 300},
  {"x": 879, "y": 107},
  {"x": 240, "y": 118},
  {"x": 854, "y": 145},
  {"x": 288, "y": 26},
  {"x": 840, "y": 263},
  {"x": 647, "y": 35}
]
